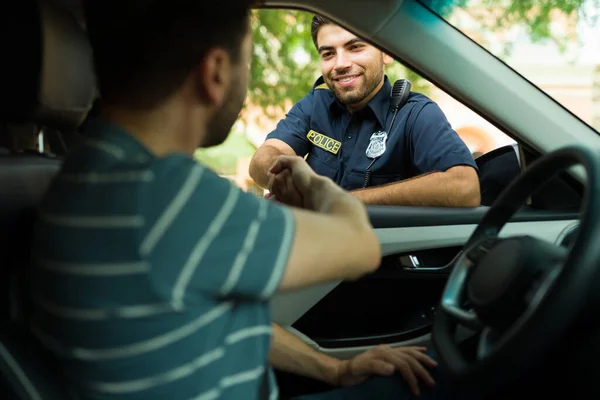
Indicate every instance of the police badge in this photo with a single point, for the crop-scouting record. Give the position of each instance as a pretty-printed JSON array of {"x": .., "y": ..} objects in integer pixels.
[{"x": 377, "y": 144}]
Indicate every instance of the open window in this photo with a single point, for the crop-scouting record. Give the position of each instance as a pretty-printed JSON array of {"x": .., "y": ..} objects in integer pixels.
[{"x": 396, "y": 304}]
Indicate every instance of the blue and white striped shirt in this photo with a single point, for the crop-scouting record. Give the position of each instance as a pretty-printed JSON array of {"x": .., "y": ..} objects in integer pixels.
[{"x": 151, "y": 275}]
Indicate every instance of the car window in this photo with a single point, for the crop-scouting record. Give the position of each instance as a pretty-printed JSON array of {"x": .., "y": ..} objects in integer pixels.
[
  {"x": 285, "y": 66},
  {"x": 553, "y": 44}
]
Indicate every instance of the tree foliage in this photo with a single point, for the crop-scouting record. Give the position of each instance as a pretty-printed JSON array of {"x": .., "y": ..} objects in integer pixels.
[
  {"x": 280, "y": 35},
  {"x": 534, "y": 16},
  {"x": 284, "y": 64}
]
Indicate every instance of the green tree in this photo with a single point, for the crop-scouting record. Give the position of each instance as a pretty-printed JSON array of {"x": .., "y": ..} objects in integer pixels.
[
  {"x": 535, "y": 15},
  {"x": 280, "y": 35},
  {"x": 284, "y": 64}
]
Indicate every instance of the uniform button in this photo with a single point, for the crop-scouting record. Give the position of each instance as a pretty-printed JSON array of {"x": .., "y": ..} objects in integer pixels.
[{"x": 349, "y": 137}]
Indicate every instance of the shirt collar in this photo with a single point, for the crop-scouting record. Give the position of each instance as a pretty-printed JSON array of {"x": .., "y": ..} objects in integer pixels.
[
  {"x": 379, "y": 104},
  {"x": 108, "y": 131}
]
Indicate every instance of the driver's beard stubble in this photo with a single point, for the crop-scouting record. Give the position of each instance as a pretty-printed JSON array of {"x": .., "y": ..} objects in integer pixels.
[{"x": 220, "y": 125}]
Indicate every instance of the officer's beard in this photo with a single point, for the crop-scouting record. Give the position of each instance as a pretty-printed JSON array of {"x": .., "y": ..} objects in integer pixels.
[{"x": 360, "y": 93}]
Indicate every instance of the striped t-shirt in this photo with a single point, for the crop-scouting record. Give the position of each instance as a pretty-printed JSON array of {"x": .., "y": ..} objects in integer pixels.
[{"x": 151, "y": 275}]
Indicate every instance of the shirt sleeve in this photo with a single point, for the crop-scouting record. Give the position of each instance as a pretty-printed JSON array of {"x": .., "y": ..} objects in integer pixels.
[
  {"x": 295, "y": 126},
  {"x": 435, "y": 145},
  {"x": 204, "y": 236}
]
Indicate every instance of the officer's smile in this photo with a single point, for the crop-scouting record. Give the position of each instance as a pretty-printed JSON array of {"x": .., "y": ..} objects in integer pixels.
[{"x": 346, "y": 80}]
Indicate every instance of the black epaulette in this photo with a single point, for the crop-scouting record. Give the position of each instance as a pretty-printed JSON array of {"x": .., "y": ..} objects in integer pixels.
[{"x": 320, "y": 84}]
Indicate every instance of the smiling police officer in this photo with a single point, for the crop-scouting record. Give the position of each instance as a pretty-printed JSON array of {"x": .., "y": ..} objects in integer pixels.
[{"x": 349, "y": 129}]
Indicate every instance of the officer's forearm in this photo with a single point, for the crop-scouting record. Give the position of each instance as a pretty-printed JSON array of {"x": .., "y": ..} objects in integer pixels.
[
  {"x": 456, "y": 187},
  {"x": 261, "y": 162}
]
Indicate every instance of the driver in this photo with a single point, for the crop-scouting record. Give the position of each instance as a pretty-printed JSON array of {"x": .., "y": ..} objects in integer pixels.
[{"x": 151, "y": 274}]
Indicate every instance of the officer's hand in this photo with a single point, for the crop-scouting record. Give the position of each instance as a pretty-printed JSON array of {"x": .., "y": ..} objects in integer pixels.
[
  {"x": 315, "y": 192},
  {"x": 282, "y": 185}
]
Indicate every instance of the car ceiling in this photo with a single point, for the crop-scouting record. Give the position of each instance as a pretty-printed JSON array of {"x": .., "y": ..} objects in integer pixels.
[{"x": 420, "y": 40}]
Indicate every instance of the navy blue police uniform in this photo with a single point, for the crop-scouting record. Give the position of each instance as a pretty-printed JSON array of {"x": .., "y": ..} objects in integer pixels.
[{"x": 336, "y": 141}]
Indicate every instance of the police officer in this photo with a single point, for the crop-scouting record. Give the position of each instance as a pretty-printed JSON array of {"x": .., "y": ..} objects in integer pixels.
[{"x": 344, "y": 127}]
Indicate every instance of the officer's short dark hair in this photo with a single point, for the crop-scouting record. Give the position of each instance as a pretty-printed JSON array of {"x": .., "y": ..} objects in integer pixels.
[
  {"x": 317, "y": 23},
  {"x": 144, "y": 49}
]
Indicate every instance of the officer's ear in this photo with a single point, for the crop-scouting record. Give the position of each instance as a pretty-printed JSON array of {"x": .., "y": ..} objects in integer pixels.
[{"x": 387, "y": 60}]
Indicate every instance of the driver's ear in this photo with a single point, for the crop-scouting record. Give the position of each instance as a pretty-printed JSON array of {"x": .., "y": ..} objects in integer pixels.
[{"x": 213, "y": 77}]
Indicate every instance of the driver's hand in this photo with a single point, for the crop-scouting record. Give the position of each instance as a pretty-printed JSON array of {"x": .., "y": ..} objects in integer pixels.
[
  {"x": 291, "y": 181},
  {"x": 410, "y": 362},
  {"x": 283, "y": 189}
]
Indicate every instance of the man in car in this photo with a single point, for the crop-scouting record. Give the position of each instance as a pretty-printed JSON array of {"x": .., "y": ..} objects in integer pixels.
[
  {"x": 344, "y": 126},
  {"x": 151, "y": 274}
]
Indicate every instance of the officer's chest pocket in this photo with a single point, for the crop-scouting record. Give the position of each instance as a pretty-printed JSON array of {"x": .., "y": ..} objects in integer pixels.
[{"x": 322, "y": 167}]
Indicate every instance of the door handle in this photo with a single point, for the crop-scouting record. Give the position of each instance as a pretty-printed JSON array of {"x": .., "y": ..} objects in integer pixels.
[{"x": 412, "y": 263}]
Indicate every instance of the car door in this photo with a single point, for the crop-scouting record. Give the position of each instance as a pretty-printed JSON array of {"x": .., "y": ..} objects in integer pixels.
[{"x": 395, "y": 305}]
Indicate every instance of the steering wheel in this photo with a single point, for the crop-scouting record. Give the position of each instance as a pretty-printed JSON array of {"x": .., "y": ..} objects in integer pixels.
[{"x": 521, "y": 293}]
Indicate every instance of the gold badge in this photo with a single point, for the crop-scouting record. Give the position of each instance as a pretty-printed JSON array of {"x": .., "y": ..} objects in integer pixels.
[{"x": 324, "y": 142}]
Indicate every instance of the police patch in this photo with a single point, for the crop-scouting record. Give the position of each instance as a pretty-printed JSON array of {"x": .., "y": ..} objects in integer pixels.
[
  {"x": 324, "y": 142},
  {"x": 377, "y": 144}
]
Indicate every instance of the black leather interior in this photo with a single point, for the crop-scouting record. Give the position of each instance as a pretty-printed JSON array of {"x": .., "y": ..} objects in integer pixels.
[
  {"x": 48, "y": 75},
  {"x": 47, "y": 82},
  {"x": 497, "y": 169}
]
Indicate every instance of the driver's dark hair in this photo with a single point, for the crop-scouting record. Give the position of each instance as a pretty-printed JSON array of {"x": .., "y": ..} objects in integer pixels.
[
  {"x": 317, "y": 23},
  {"x": 144, "y": 49}
]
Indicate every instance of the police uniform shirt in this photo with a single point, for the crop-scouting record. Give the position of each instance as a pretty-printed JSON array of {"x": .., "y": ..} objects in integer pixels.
[{"x": 335, "y": 140}]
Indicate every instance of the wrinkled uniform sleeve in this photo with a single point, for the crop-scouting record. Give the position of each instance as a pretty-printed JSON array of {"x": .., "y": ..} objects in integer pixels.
[
  {"x": 206, "y": 237},
  {"x": 435, "y": 145},
  {"x": 295, "y": 126}
]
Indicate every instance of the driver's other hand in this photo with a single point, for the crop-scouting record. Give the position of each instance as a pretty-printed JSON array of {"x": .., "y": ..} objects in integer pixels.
[
  {"x": 410, "y": 362},
  {"x": 290, "y": 180}
]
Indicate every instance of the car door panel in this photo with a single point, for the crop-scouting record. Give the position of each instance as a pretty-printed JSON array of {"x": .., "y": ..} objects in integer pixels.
[
  {"x": 405, "y": 217},
  {"x": 287, "y": 308},
  {"x": 395, "y": 304}
]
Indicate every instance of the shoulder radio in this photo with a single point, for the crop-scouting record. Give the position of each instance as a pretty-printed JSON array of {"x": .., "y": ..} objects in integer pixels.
[{"x": 398, "y": 98}]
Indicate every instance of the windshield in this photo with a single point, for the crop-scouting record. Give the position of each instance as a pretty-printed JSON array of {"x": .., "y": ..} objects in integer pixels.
[{"x": 555, "y": 44}]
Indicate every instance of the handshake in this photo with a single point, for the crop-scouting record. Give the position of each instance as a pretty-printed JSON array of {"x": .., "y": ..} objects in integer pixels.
[
  {"x": 294, "y": 183},
  {"x": 323, "y": 210}
]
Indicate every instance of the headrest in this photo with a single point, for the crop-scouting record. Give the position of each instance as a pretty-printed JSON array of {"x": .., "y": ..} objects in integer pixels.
[{"x": 46, "y": 73}]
